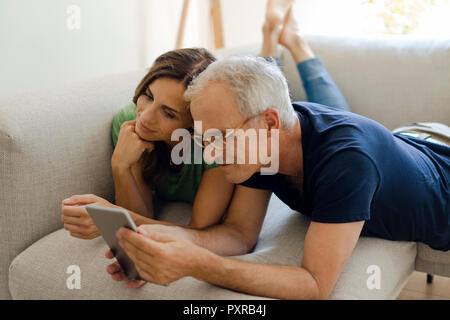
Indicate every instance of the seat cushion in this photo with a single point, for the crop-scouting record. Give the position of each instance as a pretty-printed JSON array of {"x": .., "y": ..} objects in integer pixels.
[
  {"x": 39, "y": 272},
  {"x": 432, "y": 261}
]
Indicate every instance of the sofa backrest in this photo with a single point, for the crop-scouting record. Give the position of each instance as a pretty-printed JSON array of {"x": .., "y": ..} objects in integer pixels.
[
  {"x": 395, "y": 81},
  {"x": 53, "y": 144}
]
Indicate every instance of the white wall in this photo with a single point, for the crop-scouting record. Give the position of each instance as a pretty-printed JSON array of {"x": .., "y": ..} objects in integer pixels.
[
  {"x": 37, "y": 50},
  {"x": 243, "y": 20}
]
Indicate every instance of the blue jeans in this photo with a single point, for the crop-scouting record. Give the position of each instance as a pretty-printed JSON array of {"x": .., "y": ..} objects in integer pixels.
[{"x": 319, "y": 86}]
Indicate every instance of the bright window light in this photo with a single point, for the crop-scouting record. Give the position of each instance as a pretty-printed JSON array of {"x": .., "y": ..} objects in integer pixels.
[{"x": 413, "y": 18}]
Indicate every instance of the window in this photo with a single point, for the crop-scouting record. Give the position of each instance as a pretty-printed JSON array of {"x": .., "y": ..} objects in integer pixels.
[{"x": 415, "y": 18}]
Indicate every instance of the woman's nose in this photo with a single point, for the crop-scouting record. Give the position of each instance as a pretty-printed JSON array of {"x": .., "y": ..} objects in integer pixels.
[{"x": 148, "y": 115}]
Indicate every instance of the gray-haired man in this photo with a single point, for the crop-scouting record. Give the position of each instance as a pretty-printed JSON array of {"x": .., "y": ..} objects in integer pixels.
[{"x": 349, "y": 174}]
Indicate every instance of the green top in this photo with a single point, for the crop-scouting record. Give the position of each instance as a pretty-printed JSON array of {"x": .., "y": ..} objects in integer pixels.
[{"x": 174, "y": 186}]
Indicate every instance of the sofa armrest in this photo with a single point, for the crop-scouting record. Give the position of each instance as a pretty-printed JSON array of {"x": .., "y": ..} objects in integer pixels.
[{"x": 53, "y": 144}]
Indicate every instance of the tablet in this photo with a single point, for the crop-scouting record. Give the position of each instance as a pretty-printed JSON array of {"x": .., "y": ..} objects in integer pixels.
[{"x": 109, "y": 221}]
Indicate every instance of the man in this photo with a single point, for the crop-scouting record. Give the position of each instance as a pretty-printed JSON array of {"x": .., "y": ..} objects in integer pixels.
[{"x": 349, "y": 174}]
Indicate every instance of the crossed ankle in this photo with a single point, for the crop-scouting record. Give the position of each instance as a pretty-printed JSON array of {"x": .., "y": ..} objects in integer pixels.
[{"x": 271, "y": 31}]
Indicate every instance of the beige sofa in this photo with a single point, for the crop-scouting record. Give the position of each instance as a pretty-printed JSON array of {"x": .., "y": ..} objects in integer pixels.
[{"x": 57, "y": 143}]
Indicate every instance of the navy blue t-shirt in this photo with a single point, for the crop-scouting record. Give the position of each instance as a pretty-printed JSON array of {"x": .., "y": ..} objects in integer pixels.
[{"x": 355, "y": 169}]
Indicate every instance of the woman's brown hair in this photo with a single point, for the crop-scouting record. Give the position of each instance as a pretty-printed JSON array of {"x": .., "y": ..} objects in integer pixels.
[{"x": 182, "y": 65}]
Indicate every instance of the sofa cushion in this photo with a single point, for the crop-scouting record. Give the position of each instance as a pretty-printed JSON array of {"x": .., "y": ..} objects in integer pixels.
[
  {"x": 39, "y": 272},
  {"x": 432, "y": 261},
  {"x": 53, "y": 144}
]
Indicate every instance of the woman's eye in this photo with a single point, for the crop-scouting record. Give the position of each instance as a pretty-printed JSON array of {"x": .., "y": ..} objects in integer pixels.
[
  {"x": 148, "y": 95},
  {"x": 168, "y": 114}
]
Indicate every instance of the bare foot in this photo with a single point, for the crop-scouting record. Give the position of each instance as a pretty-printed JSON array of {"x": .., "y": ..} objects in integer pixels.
[
  {"x": 276, "y": 11},
  {"x": 290, "y": 38},
  {"x": 290, "y": 32}
]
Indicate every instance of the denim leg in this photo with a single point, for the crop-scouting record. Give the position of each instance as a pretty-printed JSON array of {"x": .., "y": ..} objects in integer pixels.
[
  {"x": 319, "y": 86},
  {"x": 272, "y": 59}
]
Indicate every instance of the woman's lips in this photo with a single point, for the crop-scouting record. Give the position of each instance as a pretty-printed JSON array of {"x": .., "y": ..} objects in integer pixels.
[{"x": 144, "y": 128}]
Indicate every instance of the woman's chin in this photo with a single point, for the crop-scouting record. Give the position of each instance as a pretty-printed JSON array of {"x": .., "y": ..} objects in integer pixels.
[{"x": 145, "y": 136}]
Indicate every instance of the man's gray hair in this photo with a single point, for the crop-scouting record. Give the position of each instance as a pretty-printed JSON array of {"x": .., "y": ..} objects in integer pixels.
[{"x": 257, "y": 83}]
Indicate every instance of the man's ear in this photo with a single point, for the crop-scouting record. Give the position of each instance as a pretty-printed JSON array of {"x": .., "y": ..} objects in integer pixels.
[{"x": 271, "y": 119}]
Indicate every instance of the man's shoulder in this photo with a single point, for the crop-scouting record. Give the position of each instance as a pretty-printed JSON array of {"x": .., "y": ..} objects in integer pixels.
[
  {"x": 261, "y": 181},
  {"x": 316, "y": 107}
]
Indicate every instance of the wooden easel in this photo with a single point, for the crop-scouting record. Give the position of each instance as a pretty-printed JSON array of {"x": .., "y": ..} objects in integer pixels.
[{"x": 215, "y": 22}]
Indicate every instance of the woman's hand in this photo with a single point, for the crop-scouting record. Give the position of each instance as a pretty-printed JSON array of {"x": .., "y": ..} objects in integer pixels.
[
  {"x": 76, "y": 218},
  {"x": 129, "y": 147}
]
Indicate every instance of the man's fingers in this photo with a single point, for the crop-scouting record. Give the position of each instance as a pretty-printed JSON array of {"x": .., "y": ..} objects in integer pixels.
[
  {"x": 137, "y": 241},
  {"x": 114, "y": 268},
  {"x": 161, "y": 236},
  {"x": 119, "y": 276},
  {"x": 157, "y": 234},
  {"x": 133, "y": 284},
  {"x": 116, "y": 272},
  {"x": 135, "y": 253},
  {"x": 109, "y": 254}
]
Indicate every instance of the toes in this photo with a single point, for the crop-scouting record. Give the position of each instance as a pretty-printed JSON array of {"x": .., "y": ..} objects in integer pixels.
[{"x": 277, "y": 11}]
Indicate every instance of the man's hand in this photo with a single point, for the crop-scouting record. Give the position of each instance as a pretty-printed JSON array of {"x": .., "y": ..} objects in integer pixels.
[
  {"x": 117, "y": 273},
  {"x": 160, "y": 256},
  {"x": 76, "y": 218},
  {"x": 115, "y": 269}
]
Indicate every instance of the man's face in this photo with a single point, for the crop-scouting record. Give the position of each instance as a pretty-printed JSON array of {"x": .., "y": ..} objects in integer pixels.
[{"x": 216, "y": 108}]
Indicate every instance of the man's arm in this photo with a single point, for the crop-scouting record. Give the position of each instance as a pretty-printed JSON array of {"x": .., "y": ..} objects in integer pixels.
[
  {"x": 327, "y": 248},
  {"x": 236, "y": 235},
  {"x": 163, "y": 258}
]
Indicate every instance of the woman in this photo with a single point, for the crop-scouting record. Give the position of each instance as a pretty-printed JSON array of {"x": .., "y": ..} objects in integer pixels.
[{"x": 141, "y": 132}]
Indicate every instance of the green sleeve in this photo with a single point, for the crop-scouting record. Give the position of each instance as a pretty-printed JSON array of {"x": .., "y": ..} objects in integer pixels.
[
  {"x": 127, "y": 113},
  {"x": 209, "y": 166}
]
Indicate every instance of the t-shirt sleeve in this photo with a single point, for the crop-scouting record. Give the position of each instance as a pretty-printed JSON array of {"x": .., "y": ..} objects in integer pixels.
[
  {"x": 344, "y": 189},
  {"x": 259, "y": 181},
  {"x": 207, "y": 166},
  {"x": 127, "y": 113}
]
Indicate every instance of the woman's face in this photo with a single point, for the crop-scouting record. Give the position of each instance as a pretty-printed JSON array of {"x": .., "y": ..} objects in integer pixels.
[{"x": 161, "y": 110}]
